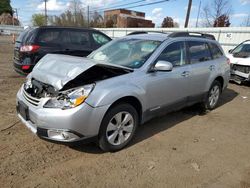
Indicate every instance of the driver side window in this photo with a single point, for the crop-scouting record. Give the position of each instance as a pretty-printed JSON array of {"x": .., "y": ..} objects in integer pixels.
[{"x": 174, "y": 53}]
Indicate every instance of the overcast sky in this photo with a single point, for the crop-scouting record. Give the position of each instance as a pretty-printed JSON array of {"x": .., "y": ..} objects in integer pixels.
[{"x": 174, "y": 8}]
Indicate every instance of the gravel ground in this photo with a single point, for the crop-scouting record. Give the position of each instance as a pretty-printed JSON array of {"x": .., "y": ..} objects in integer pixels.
[{"x": 181, "y": 149}]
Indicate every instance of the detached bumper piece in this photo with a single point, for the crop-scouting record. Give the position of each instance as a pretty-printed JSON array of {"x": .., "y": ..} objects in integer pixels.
[{"x": 240, "y": 73}]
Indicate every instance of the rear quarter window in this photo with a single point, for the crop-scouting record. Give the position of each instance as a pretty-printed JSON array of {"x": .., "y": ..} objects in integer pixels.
[
  {"x": 198, "y": 51},
  {"x": 25, "y": 36},
  {"x": 215, "y": 50}
]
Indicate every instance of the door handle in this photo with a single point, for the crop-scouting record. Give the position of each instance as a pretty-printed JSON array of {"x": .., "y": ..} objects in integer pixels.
[
  {"x": 185, "y": 74},
  {"x": 212, "y": 67}
]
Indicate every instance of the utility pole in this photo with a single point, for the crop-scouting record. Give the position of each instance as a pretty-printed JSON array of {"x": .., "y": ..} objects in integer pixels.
[
  {"x": 188, "y": 13},
  {"x": 45, "y": 12},
  {"x": 16, "y": 13},
  {"x": 88, "y": 15},
  {"x": 198, "y": 15}
]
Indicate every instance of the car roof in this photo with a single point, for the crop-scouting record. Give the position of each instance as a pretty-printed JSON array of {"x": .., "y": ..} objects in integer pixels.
[{"x": 164, "y": 36}]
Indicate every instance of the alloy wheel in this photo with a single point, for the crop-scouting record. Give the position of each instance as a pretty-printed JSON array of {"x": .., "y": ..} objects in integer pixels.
[{"x": 120, "y": 128}]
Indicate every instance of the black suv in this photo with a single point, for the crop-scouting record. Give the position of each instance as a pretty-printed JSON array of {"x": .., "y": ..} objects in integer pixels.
[{"x": 33, "y": 43}]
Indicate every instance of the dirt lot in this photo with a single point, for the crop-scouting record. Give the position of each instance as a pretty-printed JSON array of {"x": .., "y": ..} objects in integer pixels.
[{"x": 181, "y": 149}]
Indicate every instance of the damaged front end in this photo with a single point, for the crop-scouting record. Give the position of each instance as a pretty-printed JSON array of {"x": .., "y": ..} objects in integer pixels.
[
  {"x": 240, "y": 73},
  {"x": 35, "y": 90},
  {"x": 65, "y": 81},
  {"x": 240, "y": 67}
]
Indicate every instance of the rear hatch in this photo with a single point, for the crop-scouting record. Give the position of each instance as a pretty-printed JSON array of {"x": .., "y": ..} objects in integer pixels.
[{"x": 24, "y": 38}]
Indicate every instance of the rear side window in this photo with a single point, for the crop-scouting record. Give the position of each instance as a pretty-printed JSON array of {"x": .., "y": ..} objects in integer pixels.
[
  {"x": 25, "y": 35},
  {"x": 100, "y": 39},
  {"x": 198, "y": 52},
  {"x": 174, "y": 53},
  {"x": 77, "y": 38},
  {"x": 30, "y": 36},
  {"x": 49, "y": 36},
  {"x": 22, "y": 35},
  {"x": 215, "y": 50}
]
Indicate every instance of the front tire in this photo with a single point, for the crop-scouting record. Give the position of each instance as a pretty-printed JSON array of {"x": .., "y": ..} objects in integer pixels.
[
  {"x": 118, "y": 127},
  {"x": 213, "y": 96}
]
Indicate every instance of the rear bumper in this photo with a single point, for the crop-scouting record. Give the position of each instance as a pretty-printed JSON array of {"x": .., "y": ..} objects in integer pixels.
[{"x": 18, "y": 67}]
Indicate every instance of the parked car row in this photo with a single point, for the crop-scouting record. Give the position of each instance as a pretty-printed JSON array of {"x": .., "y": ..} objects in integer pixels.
[{"x": 124, "y": 83}]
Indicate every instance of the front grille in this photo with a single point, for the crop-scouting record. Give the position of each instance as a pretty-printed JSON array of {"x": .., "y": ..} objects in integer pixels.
[
  {"x": 30, "y": 99},
  {"x": 241, "y": 68}
]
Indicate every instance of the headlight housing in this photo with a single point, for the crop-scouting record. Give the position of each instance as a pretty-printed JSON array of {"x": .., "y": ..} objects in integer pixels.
[{"x": 71, "y": 98}]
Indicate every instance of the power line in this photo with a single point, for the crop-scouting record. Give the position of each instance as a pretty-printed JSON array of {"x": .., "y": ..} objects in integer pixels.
[
  {"x": 129, "y": 7},
  {"x": 100, "y": 9},
  {"x": 104, "y": 6}
]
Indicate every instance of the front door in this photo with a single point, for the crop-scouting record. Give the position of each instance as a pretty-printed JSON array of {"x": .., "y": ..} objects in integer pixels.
[{"x": 169, "y": 89}]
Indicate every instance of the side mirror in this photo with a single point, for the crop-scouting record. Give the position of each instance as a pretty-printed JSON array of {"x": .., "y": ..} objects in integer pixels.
[
  {"x": 163, "y": 66},
  {"x": 230, "y": 51}
]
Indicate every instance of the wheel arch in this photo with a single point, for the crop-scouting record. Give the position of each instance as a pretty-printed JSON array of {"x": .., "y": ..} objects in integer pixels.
[
  {"x": 221, "y": 80},
  {"x": 133, "y": 101}
]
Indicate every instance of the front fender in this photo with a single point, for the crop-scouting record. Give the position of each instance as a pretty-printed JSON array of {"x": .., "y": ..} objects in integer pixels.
[{"x": 107, "y": 96}]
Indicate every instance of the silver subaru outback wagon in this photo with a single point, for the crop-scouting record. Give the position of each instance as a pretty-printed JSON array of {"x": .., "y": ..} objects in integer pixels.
[{"x": 121, "y": 85}]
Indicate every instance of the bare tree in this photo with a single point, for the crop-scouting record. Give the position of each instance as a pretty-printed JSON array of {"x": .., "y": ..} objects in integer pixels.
[
  {"x": 246, "y": 22},
  {"x": 214, "y": 10},
  {"x": 96, "y": 20},
  {"x": 73, "y": 16}
]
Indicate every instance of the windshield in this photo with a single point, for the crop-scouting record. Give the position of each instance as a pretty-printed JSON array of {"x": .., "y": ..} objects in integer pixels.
[
  {"x": 132, "y": 53},
  {"x": 244, "y": 48}
]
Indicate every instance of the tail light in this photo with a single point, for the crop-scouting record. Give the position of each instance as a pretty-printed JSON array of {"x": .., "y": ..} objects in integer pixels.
[
  {"x": 29, "y": 48},
  {"x": 228, "y": 61},
  {"x": 25, "y": 67}
]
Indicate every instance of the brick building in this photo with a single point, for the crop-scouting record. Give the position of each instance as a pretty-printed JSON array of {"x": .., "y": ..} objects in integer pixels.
[{"x": 126, "y": 18}]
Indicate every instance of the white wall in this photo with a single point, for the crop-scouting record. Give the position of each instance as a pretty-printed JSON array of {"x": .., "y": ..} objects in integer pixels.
[
  {"x": 9, "y": 29},
  {"x": 228, "y": 37}
]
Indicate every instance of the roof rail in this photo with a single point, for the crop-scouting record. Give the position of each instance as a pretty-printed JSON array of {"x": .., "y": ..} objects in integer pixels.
[
  {"x": 192, "y": 34},
  {"x": 145, "y": 32}
]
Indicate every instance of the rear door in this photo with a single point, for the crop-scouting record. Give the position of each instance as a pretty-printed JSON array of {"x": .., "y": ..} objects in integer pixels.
[
  {"x": 76, "y": 42},
  {"x": 201, "y": 66},
  {"x": 49, "y": 40}
]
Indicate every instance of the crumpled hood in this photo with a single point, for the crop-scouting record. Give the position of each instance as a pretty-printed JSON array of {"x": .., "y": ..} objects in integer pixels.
[
  {"x": 239, "y": 61},
  {"x": 57, "y": 70}
]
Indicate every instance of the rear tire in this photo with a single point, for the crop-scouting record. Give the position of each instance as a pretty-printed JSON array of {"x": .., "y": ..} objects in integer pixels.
[
  {"x": 213, "y": 96},
  {"x": 118, "y": 127}
]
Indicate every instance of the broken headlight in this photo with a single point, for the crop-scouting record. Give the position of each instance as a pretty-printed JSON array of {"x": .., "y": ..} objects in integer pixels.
[{"x": 71, "y": 98}]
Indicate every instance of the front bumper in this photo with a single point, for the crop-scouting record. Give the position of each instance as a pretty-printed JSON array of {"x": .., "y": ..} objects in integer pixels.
[{"x": 78, "y": 124}]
